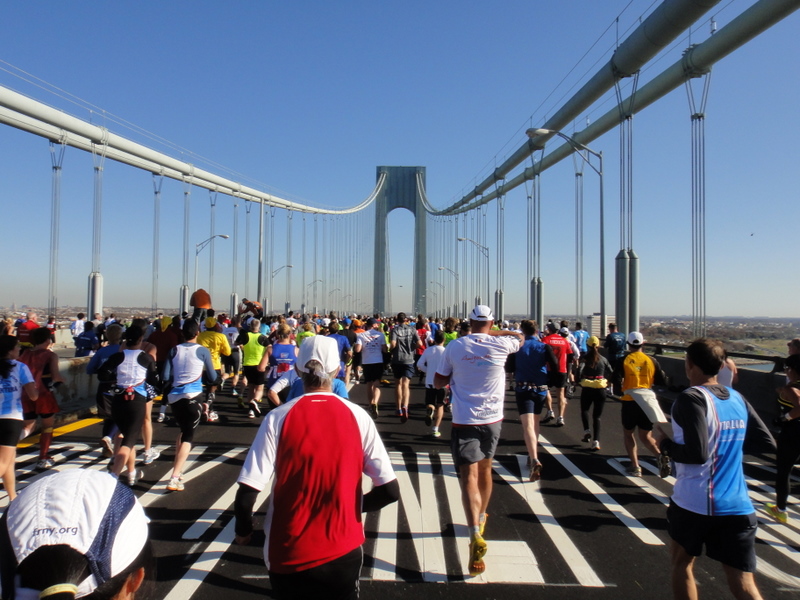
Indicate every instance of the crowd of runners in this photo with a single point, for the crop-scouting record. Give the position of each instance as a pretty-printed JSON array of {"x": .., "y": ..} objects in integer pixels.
[{"x": 296, "y": 371}]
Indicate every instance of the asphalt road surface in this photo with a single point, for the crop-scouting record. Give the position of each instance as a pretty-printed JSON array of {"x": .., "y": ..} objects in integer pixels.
[{"x": 587, "y": 530}]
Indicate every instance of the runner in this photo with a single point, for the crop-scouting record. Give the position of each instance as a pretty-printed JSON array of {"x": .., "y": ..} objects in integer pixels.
[
  {"x": 710, "y": 505},
  {"x": 282, "y": 354},
  {"x": 788, "y": 439},
  {"x": 232, "y": 363},
  {"x": 43, "y": 364},
  {"x": 593, "y": 377},
  {"x": 634, "y": 376},
  {"x": 316, "y": 450},
  {"x": 559, "y": 377},
  {"x": 218, "y": 346},
  {"x": 532, "y": 363},
  {"x": 372, "y": 344},
  {"x": 434, "y": 398},
  {"x": 189, "y": 363},
  {"x": 403, "y": 344},
  {"x": 131, "y": 369},
  {"x": 103, "y": 396},
  {"x": 14, "y": 378},
  {"x": 473, "y": 366},
  {"x": 254, "y": 364}
]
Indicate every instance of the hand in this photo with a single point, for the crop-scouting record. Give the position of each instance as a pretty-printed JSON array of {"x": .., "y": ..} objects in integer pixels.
[{"x": 243, "y": 540}]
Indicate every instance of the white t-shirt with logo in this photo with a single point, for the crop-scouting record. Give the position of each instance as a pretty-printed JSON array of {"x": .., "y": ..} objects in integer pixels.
[
  {"x": 476, "y": 364},
  {"x": 371, "y": 342}
]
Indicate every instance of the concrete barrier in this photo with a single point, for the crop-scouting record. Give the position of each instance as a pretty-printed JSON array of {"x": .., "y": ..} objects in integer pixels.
[{"x": 757, "y": 387}]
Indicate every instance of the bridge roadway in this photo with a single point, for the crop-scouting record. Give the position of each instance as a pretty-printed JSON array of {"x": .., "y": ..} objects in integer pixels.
[{"x": 585, "y": 525}]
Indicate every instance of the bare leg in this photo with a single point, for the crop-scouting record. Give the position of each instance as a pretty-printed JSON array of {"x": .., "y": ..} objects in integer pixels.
[
  {"x": 8, "y": 455},
  {"x": 683, "y": 583},
  {"x": 530, "y": 429},
  {"x": 646, "y": 437},
  {"x": 121, "y": 459},
  {"x": 630, "y": 446},
  {"x": 742, "y": 584},
  {"x": 181, "y": 454},
  {"x": 476, "y": 489},
  {"x": 438, "y": 415}
]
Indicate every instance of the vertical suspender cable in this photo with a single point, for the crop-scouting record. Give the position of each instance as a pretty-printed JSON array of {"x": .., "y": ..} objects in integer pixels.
[
  {"x": 95, "y": 302},
  {"x": 289, "y": 223},
  {"x": 248, "y": 206},
  {"x": 579, "y": 164},
  {"x": 212, "y": 197},
  {"x": 57, "y": 160},
  {"x": 234, "y": 265},
  {"x": 158, "y": 181}
]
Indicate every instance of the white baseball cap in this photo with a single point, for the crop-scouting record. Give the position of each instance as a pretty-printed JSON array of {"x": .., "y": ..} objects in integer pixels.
[
  {"x": 635, "y": 338},
  {"x": 89, "y": 511},
  {"x": 321, "y": 348},
  {"x": 481, "y": 313}
]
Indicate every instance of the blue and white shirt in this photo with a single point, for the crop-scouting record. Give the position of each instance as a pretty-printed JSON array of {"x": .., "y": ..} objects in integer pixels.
[
  {"x": 184, "y": 370},
  {"x": 11, "y": 390}
]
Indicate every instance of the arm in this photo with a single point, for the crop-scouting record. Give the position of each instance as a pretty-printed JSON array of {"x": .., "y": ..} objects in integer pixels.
[
  {"x": 262, "y": 364},
  {"x": 440, "y": 381},
  {"x": 689, "y": 411},
  {"x": 31, "y": 390},
  {"x": 791, "y": 394},
  {"x": 660, "y": 377},
  {"x": 243, "y": 511},
  {"x": 506, "y": 332},
  {"x": 380, "y": 496}
]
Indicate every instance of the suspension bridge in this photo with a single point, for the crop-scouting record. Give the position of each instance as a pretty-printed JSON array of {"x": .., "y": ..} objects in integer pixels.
[{"x": 459, "y": 247}]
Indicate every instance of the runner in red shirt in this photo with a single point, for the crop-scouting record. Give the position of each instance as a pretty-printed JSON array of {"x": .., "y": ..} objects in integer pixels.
[{"x": 561, "y": 349}]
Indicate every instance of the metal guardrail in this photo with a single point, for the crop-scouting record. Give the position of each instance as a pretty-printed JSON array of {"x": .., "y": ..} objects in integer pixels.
[{"x": 777, "y": 361}]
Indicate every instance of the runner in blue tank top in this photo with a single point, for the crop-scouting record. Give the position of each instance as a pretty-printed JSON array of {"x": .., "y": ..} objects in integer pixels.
[{"x": 710, "y": 506}]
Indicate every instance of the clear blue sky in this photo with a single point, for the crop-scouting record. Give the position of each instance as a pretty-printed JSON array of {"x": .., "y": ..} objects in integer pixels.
[{"x": 307, "y": 98}]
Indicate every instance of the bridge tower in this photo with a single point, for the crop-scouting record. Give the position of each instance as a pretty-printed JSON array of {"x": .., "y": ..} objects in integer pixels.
[{"x": 400, "y": 191}]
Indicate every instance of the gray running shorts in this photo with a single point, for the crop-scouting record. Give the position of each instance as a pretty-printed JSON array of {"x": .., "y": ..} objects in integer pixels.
[{"x": 473, "y": 443}]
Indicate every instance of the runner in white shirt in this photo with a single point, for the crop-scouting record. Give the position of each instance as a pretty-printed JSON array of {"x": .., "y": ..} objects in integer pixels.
[
  {"x": 372, "y": 345},
  {"x": 474, "y": 367}
]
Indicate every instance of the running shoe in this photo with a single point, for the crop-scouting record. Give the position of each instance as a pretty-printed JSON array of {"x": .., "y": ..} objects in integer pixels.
[
  {"x": 175, "y": 485},
  {"x": 587, "y": 436},
  {"x": 150, "y": 456},
  {"x": 664, "y": 465},
  {"x": 161, "y": 417},
  {"x": 477, "y": 550},
  {"x": 560, "y": 422},
  {"x": 373, "y": 408},
  {"x": 213, "y": 417},
  {"x": 45, "y": 463},
  {"x": 210, "y": 397},
  {"x": 535, "y": 467},
  {"x": 780, "y": 516},
  {"x": 634, "y": 471},
  {"x": 482, "y": 523},
  {"x": 251, "y": 414},
  {"x": 596, "y": 445},
  {"x": 254, "y": 408},
  {"x": 108, "y": 447},
  {"x": 436, "y": 434},
  {"x": 241, "y": 403},
  {"x": 404, "y": 414},
  {"x": 429, "y": 416},
  {"x": 134, "y": 477},
  {"x": 234, "y": 393},
  {"x": 548, "y": 417}
]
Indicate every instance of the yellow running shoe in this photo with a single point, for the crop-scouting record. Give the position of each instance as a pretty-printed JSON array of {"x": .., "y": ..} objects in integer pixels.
[
  {"x": 776, "y": 513},
  {"x": 477, "y": 550}
]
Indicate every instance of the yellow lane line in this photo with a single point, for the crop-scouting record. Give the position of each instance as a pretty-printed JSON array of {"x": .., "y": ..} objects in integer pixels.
[{"x": 32, "y": 440}]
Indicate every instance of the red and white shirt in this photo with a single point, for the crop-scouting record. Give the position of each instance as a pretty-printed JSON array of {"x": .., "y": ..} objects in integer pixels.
[{"x": 317, "y": 447}]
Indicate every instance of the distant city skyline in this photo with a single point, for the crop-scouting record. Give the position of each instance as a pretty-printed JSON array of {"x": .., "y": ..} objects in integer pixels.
[{"x": 310, "y": 98}]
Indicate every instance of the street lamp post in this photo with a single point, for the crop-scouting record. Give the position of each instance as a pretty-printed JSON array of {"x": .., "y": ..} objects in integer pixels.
[
  {"x": 485, "y": 251},
  {"x": 271, "y": 286},
  {"x": 199, "y": 247},
  {"x": 454, "y": 274},
  {"x": 578, "y": 147},
  {"x": 314, "y": 283}
]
